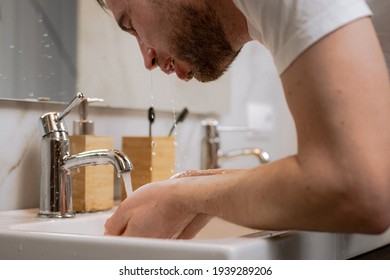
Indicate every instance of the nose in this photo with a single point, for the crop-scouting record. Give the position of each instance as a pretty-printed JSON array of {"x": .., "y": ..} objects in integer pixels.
[{"x": 149, "y": 54}]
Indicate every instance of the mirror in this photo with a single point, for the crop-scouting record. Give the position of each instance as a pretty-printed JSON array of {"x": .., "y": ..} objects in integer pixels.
[
  {"x": 37, "y": 49},
  {"x": 51, "y": 49}
]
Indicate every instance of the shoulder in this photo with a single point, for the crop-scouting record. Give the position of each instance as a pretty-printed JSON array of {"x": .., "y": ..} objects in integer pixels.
[{"x": 289, "y": 27}]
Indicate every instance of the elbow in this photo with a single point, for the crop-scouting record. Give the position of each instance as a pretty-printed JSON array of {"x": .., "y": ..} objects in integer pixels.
[
  {"x": 370, "y": 201},
  {"x": 375, "y": 220},
  {"x": 377, "y": 223},
  {"x": 376, "y": 217},
  {"x": 358, "y": 193}
]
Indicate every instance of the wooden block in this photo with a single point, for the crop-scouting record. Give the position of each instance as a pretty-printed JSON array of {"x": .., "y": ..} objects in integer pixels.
[
  {"x": 153, "y": 159},
  {"x": 92, "y": 186}
]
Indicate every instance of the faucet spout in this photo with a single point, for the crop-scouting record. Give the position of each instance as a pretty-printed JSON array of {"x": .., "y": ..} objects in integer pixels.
[
  {"x": 261, "y": 155},
  {"x": 98, "y": 157},
  {"x": 212, "y": 154}
]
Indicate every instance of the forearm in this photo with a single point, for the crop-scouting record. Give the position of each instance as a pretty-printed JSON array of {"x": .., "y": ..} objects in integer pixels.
[
  {"x": 283, "y": 195},
  {"x": 280, "y": 195}
]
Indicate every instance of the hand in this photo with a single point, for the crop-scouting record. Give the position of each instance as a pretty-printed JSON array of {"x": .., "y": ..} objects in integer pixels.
[{"x": 156, "y": 210}]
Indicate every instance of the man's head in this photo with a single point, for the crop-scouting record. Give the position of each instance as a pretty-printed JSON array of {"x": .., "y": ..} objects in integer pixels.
[{"x": 185, "y": 37}]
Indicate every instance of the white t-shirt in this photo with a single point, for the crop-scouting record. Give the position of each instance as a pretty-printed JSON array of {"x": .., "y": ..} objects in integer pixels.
[{"x": 289, "y": 27}]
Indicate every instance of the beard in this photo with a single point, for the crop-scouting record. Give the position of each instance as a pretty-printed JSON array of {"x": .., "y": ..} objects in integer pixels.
[{"x": 198, "y": 39}]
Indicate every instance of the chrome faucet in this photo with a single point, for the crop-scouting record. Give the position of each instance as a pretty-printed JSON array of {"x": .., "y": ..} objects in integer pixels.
[
  {"x": 56, "y": 163},
  {"x": 211, "y": 153}
]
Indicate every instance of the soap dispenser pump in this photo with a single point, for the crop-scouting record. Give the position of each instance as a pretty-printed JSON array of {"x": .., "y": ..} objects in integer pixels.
[
  {"x": 93, "y": 187},
  {"x": 83, "y": 126}
]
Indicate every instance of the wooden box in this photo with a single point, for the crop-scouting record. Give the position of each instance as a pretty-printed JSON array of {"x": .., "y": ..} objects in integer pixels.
[
  {"x": 92, "y": 186},
  {"x": 153, "y": 159}
]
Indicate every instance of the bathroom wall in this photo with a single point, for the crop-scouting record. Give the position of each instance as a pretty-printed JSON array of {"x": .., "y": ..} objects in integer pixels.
[{"x": 253, "y": 82}]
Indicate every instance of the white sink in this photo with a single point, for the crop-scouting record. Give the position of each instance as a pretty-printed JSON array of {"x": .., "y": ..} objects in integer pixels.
[
  {"x": 93, "y": 224},
  {"x": 25, "y": 236}
]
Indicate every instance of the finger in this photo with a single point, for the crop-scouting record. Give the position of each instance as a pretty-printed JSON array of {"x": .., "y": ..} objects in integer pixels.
[
  {"x": 139, "y": 228},
  {"x": 116, "y": 224},
  {"x": 195, "y": 226}
]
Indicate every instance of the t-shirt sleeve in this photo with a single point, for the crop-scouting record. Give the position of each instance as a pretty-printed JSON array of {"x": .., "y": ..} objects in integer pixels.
[{"x": 288, "y": 27}]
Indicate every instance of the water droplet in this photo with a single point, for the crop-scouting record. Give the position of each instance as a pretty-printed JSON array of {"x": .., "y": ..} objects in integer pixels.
[
  {"x": 151, "y": 100},
  {"x": 12, "y": 47},
  {"x": 153, "y": 144},
  {"x": 151, "y": 169},
  {"x": 151, "y": 90},
  {"x": 20, "y": 248},
  {"x": 154, "y": 154}
]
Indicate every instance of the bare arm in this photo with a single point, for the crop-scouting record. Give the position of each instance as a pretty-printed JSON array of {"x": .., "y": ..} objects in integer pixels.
[{"x": 338, "y": 92}]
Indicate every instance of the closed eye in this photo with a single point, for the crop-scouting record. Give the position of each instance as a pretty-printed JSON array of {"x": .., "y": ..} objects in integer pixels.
[{"x": 126, "y": 27}]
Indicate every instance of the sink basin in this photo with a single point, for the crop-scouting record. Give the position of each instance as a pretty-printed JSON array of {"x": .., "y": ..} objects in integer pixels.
[
  {"x": 93, "y": 224},
  {"x": 25, "y": 236}
]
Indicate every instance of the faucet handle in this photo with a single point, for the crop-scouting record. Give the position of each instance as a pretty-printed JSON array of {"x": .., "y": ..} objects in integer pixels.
[
  {"x": 75, "y": 102},
  {"x": 51, "y": 122}
]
